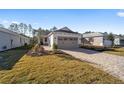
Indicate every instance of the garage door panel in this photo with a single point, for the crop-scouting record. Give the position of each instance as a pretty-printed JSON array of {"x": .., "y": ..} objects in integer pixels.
[{"x": 66, "y": 42}]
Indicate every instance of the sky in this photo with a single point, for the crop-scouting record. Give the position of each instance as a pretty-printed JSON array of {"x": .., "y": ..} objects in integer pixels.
[{"x": 78, "y": 20}]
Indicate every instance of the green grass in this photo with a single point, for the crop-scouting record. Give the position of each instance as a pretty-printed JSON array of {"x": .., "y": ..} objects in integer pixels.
[
  {"x": 10, "y": 57},
  {"x": 56, "y": 68},
  {"x": 116, "y": 51}
]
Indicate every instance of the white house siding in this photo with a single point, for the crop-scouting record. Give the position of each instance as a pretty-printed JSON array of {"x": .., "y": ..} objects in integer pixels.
[{"x": 11, "y": 40}]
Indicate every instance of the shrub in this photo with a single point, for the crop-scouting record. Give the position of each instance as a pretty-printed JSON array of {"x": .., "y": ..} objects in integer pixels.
[
  {"x": 55, "y": 47},
  {"x": 38, "y": 48},
  {"x": 25, "y": 44},
  {"x": 99, "y": 48},
  {"x": 4, "y": 47}
]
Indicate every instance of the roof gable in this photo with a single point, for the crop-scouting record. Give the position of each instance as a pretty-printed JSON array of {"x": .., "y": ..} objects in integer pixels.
[{"x": 65, "y": 29}]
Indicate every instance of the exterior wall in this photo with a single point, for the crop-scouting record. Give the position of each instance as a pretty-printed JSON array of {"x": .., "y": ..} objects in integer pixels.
[
  {"x": 23, "y": 40},
  {"x": 9, "y": 40},
  {"x": 98, "y": 41},
  {"x": 117, "y": 41},
  {"x": 53, "y": 38},
  {"x": 107, "y": 43},
  {"x": 62, "y": 34},
  {"x": 45, "y": 42},
  {"x": 121, "y": 42}
]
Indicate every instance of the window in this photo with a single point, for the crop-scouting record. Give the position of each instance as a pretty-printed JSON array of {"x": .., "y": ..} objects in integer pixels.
[
  {"x": 11, "y": 43},
  {"x": 71, "y": 39},
  {"x": 91, "y": 39},
  {"x": 20, "y": 40},
  {"x": 65, "y": 38},
  {"x": 45, "y": 39},
  {"x": 59, "y": 38}
]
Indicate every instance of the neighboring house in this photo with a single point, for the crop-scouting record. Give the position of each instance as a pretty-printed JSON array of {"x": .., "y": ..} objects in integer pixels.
[
  {"x": 10, "y": 39},
  {"x": 64, "y": 38},
  {"x": 96, "y": 39},
  {"x": 119, "y": 40}
]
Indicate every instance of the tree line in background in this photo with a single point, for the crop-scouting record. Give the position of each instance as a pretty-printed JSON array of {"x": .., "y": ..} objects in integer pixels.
[{"x": 20, "y": 28}]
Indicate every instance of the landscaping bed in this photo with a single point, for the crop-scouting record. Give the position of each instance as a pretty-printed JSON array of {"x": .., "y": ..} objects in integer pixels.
[
  {"x": 116, "y": 51},
  {"x": 96, "y": 48}
]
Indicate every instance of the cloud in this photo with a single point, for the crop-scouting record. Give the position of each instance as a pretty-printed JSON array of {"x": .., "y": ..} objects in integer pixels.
[
  {"x": 120, "y": 14},
  {"x": 5, "y": 22},
  {"x": 15, "y": 22}
]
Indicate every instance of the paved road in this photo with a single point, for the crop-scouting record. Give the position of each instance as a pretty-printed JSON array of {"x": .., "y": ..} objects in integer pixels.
[{"x": 110, "y": 63}]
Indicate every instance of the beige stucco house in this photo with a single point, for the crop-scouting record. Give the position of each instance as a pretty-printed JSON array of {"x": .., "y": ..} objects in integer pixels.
[
  {"x": 96, "y": 39},
  {"x": 64, "y": 38}
]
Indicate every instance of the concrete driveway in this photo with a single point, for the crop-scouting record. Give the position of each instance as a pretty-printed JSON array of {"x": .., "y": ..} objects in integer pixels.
[{"x": 112, "y": 64}]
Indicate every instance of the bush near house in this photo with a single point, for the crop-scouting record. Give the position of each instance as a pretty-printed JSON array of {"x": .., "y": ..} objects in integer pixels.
[
  {"x": 116, "y": 51},
  {"x": 97, "y": 48},
  {"x": 55, "y": 46}
]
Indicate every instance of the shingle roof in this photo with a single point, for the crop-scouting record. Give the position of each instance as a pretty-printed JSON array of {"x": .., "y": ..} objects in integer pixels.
[
  {"x": 7, "y": 31},
  {"x": 11, "y": 32},
  {"x": 65, "y": 29},
  {"x": 94, "y": 34},
  {"x": 120, "y": 37}
]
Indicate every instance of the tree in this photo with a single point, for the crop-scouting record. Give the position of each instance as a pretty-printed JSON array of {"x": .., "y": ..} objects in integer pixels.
[
  {"x": 25, "y": 27},
  {"x": 11, "y": 27},
  {"x": 21, "y": 28},
  {"x": 1, "y": 25},
  {"x": 39, "y": 36},
  {"x": 88, "y": 32},
  {"x": 30, "y": 29},
  {"x": 41, "y": 32},
  {"x": 14, "y": 27},
  {"x": 53, "y": 29},
  {"x": 120, "y": 35},
  {"x": 111, "y": 37}
]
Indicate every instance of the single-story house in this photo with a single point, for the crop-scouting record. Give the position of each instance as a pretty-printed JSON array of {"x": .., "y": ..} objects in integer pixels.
[
  {"x": 119, "y": 40},
  {"x": 96, "y": 39},
  {"x": 64, "y": 38},
  {"x": 10, "y": 39}
]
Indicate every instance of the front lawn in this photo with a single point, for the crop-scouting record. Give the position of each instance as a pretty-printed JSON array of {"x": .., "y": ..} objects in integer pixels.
[
  {"x": 54, "y": 68},
  {"x": 10, "y": 57},
  {"x": 116, "y": 51}
]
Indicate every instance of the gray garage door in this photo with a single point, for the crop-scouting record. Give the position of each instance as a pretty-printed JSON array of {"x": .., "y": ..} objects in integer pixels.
[
  {"x": 67, "y": 42},
  {"x": 122, "y": 42}
]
